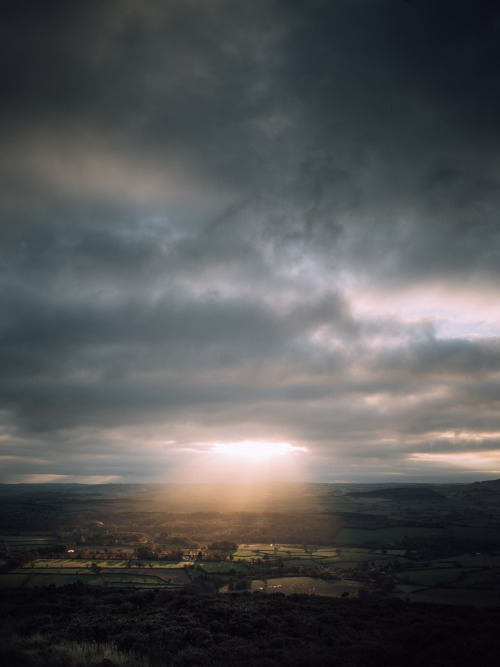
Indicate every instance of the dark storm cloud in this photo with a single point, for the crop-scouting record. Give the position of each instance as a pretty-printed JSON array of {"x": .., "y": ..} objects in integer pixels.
[
  {"x": 154, "y": 80},
  {"x": 224, "y": 220},
  {"x": 403, "y": 99}
]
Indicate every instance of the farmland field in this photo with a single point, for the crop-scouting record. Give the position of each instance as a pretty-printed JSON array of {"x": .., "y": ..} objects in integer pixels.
[
  {"x": 59, "y": 572},
  {"x": 223, "y": 567},
  {"x": 383, "y": 535},
  {"x": 476, "y": 533},
  {"x": 471, "y": 577},
  {"x": 308, "y": 585},
  {"x": 431, "y": 577},
  {"x": 80, "y": 563},
  {"x": 301, "y": 562},
  {"x": 17, "y": 543},
  {"x": 30, "y": 579},
  {"x": 13, "y": 579}
]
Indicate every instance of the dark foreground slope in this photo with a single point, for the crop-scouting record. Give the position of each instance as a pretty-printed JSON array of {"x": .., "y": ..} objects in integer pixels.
[{"x": 184, "y": 628}]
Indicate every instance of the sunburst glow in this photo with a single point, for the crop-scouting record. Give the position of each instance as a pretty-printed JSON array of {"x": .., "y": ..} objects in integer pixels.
[{"x": 256, "y": 451}]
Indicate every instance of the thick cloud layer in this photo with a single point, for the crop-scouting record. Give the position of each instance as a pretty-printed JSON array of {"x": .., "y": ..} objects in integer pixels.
[{"x": 269, "y": 221}]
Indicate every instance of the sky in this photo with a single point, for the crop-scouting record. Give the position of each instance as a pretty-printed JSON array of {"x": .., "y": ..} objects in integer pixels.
[{"x": 250, "y": 240}]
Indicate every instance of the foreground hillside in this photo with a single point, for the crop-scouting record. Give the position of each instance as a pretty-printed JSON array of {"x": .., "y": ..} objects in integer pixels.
[{"x": 79, "y": 625}]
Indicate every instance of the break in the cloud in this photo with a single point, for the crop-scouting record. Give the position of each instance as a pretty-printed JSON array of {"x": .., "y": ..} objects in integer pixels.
[{"x": 229, "y": 222}]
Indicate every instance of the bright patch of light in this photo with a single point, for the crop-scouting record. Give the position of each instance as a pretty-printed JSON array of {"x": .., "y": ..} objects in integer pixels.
[
  {"x": 467, "y": 459},
  {"x": 454, "y": 312},
  {"x": 256, "y": 451},
  {"x": 466, "y": 436}
]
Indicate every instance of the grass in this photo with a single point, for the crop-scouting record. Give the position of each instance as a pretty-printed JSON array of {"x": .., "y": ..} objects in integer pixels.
[
  {"x": 308, "y": 585},
  {"x": 382, "y": 535},
  {"x": 300, "y": 562},
  {"x": 258, "y": 550},
  {"x": 13, "y": 579},
  {"x": 405, "y": 589},
  {"x": 17, "y": 543},
  {"x": 137, "y": 581},
  {"x": 297, "y": 556},
  {"x": 64, "y": 576},
  {"x": 471, "y": 577},
  {"x": 14, "y": 539},
  {"x": 430, "y": 577},
  {"x": 37, "y": 651},
  {"x": 476, "y": 534},
  {"x": 59, "y": 579},
  {"x": 223, "y": 567}
]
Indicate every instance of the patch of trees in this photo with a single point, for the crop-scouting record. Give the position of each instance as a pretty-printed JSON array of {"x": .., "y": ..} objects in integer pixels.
[
  {"x": 21, "y": 559},
  {"x": 180, "y": 540},
  {"x": 223, "y": 545}
]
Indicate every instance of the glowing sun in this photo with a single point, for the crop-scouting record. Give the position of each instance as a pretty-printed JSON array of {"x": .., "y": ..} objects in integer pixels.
[{"x": 256, "y": 451}]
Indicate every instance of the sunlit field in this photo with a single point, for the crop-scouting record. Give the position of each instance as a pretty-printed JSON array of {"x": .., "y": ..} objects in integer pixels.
[
  {"x": 256, "y": 564},
  {"x": 335, "y": 589}
]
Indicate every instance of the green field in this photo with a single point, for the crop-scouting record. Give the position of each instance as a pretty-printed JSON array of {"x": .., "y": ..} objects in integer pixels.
[
  {"x": 62, "y": 571},
  {"x": 453, "y": 577},
  {"x": 393, "y": 536},
  {"x": 297, "y": 554},
  {"x": 244, "y": 551},
  {"x": 223, "y": 567},
  {"x": 13, "y": 579},
  {"x": 17, "y": 543},
  {"x": 62, "y": 577},
  {"x": 254, "y": 551},
  {"x": 300, "y": 562},
  {"x": 405, "y": 589},
  {"x": 169, "y": 574},
  {"x": 308, "y": 585},
  {"x": 430, "y": 577},
  {"x": 31, "y": 539},
  {"x": 81, "y": 564},
  {"x": 476, "y": 533},
  {"x": 471, "y": 577}
]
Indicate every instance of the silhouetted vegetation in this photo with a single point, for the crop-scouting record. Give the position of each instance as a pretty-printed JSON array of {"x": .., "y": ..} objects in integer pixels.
[{"x": 187, "y": 628}]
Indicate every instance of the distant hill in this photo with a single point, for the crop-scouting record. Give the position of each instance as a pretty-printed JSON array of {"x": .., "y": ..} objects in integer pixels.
[
  {"x": 482, "y": 489},
  {"x": 414, "y": 492}
]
